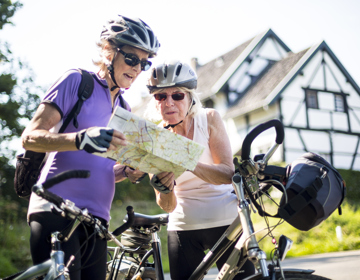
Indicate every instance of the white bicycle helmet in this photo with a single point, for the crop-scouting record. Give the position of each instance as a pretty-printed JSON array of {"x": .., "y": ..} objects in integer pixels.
[
  {"x": 172, "y": 74},
  {"x": 133, "y": 32}
]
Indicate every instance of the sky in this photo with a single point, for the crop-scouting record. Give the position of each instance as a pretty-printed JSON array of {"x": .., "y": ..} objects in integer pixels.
[{"x": 53, "y": 36}]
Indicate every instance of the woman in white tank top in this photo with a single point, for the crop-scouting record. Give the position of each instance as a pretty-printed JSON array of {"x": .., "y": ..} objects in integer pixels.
[{"x": 200, "y": 202}]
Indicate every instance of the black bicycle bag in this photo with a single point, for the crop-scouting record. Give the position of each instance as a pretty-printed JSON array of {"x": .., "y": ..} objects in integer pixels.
[
  {"x": 314, "y": 189},
  {"x": 30, "y": 163}
]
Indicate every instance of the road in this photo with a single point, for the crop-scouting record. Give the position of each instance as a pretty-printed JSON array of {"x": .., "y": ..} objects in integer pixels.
[{"x": 336, "y": 266}]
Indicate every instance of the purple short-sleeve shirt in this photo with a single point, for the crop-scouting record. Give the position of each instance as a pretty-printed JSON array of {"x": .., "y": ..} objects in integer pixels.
[{"x": 96, "y": 192}]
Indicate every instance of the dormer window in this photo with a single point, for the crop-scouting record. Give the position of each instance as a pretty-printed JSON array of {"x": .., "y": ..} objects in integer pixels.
[
  {"x": 312, "y": 99},
  {"x": 339, "y": 103},
  {"x": 325, "y": 100}
]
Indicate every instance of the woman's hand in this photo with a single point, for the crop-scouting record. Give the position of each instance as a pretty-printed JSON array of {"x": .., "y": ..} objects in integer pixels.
[
  {"x": 118, "y": 139},
  {"x": 165, "y": 179},
  {"x": 167, "y": 201},
  {"x": 134, "y": 175},
  {"x": 99, "y": 139}
]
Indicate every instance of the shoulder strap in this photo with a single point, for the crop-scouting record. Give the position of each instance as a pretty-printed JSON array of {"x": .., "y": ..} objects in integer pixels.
[
  {"x": 85, "y": 90},
  {"x": 122, "y": 102}
]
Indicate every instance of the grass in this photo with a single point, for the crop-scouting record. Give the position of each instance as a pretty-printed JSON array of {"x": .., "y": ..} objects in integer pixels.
[
  {"x": 321, "y": 239},
  {"x": 15, "y": 253}
]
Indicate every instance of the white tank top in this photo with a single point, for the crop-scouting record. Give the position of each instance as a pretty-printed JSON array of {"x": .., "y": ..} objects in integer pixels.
[{"x": 201, "y": 205}]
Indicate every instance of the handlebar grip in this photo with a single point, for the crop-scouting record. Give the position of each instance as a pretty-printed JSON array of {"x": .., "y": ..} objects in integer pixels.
[
  {"x": 129, "y": 222},
  {"x": 49, "y": 196},
  {"x": 245, "y": 150},
  {"x": 65, "y": 176}
]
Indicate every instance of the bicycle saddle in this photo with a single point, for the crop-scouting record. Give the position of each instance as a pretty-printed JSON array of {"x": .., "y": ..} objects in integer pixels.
[{"x": 147, "y": 221}]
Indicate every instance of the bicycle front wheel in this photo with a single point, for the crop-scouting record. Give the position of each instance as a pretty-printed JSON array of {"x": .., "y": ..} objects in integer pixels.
[{"x": 290, "y": 275}]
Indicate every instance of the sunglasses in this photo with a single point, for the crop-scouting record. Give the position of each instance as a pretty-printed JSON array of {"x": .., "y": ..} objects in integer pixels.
[
  {"x": 133, "y": 60},
  {"x": 175, "y": 96}
]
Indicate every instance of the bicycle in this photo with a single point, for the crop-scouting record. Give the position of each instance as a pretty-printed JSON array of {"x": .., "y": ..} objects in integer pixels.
[
  {"x": 54, "y": 268},
  {"x": 139, "y": 241},
  {"x": 250, "y": 182}
]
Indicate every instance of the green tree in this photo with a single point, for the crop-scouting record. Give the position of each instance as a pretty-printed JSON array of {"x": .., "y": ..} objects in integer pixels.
[{"x": 18, "y": 100}]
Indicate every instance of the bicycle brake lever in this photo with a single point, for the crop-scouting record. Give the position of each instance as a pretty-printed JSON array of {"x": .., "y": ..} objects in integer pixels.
[{"x": 57, "y": 211}]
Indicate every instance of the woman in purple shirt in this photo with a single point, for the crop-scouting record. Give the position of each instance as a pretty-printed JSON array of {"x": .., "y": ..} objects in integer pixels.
[{"x": 126, "y": 45}]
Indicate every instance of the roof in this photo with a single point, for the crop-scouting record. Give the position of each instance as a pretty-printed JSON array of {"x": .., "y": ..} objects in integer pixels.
[
  {"x": 211, "y": 72},
  {"x": 255, "y": 96},
  {"x": 214, "y": 74},
  {"x": 269, "y": 88}
]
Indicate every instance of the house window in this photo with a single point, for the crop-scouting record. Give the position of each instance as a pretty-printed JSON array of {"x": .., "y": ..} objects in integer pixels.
[
  {"x": 339, "y": 103},
  {"x": 311, "y": 99}
]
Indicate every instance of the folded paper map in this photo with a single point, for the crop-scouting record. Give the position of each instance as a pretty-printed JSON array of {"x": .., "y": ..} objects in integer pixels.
[{"x": 150, "y": 148}]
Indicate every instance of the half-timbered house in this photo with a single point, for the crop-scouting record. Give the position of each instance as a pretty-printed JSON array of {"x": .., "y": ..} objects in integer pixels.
[{"x": 310, "y": 92}]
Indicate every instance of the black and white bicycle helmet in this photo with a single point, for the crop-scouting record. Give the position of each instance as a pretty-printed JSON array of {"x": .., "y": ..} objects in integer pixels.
[
  {"x": 172, "y": 74},
  {"x": 133, "y": 32}
]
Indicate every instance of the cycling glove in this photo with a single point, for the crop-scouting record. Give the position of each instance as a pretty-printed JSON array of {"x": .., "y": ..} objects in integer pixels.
[{"x": 94, "y": 139}]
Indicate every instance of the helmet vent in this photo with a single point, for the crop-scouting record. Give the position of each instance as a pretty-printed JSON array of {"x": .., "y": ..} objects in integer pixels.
[
  {"x": 129, "y": 39},
  {"x": 140, "y": 33},
  {"x": 117, "y": 28},
  {"x": 132, "y": 32},
  {"x": 154, "y": 74},
  {"x": 151, "y": 36},
  {"x": 165, "y": 71},
  {"x": 178, "y": 69}
]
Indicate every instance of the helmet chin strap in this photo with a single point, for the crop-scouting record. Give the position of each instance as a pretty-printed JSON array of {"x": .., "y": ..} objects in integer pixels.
[
  {"x": 110, "y": 67},
  {"x": 173, "y": 125}
]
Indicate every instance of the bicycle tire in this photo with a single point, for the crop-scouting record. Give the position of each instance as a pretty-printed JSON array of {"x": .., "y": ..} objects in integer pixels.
[{"x": 289, "y": 275}]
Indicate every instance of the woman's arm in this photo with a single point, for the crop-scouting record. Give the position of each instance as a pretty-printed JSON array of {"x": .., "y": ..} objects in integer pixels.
[
  {"x": 37, "y": 137},
  {"x": 119, "y": 171},
  {"x": 222, "y": 170}
]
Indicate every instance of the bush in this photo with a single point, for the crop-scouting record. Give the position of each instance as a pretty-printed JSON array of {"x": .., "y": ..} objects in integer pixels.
[
  {"x": 321, "y": 239},
  {"x": 352, "y": 180},
  {"x": 14, "y": 238}
]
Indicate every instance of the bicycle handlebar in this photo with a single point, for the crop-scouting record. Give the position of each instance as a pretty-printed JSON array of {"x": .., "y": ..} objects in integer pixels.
[
  {"x": 40, "y": 189},
  {"x": 49, "y": 196},
  {"x": 69, "y": 207},
  {"x": 65, "y": 176},
  {"x": 245, "y": 150}
]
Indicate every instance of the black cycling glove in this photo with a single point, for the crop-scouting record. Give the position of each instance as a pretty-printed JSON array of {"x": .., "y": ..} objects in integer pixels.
[
  {"x": 94, "y": 139},
  {"x": 155, "y": 182}
]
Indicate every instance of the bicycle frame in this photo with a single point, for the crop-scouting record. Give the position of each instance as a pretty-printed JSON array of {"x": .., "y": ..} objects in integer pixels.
[
  {"x": 34, "y": 271},
  {"x": 149, "y": 224},
  {"x": 246, "y": 246},
  {"x": 54, "y": 268}
]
